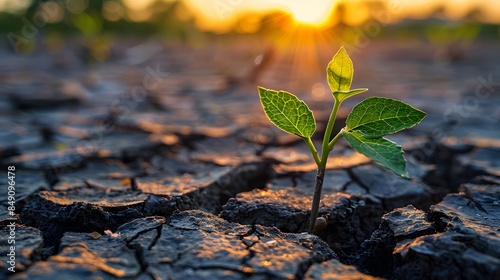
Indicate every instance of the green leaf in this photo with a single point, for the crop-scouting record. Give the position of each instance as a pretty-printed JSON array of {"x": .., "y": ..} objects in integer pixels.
[
  {"x": 287, "y": 112},
  {"x": 343, "y": 95},
  {"x": 381, "y": 150},
  {"x": 378, "y": 116},
  {"x": 340, "y": 71}
]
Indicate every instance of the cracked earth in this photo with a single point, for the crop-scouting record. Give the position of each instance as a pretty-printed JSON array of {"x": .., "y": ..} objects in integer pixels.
[{"x": 190, "y": 181}]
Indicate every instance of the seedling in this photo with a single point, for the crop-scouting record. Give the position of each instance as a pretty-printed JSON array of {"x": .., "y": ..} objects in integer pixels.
[{"x": 366, "y": 125}]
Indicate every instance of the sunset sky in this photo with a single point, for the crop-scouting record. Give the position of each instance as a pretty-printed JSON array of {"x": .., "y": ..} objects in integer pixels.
[{"x": 221, "y": 15}]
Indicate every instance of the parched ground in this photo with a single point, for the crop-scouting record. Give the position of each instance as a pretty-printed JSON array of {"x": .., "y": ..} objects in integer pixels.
[{"x": 160, "y": 164}]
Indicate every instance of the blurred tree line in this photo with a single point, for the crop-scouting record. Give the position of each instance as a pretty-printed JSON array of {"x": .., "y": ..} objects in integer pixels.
[{"x": 24, "y": 22}]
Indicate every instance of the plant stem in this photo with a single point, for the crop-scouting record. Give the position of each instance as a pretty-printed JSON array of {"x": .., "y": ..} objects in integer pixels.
[
  {"x": 318, "y": 185},
  {"x": 325, "y": 149},
  {"x": 312, "y": 148},
  {"x": 335, "y": 140},
  {"x": 320, "y": 175}
]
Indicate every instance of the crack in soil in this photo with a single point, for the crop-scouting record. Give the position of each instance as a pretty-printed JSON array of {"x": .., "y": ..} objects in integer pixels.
[
  {"x": 138, "y": 253},
  {"x": 355, "y": 179}
]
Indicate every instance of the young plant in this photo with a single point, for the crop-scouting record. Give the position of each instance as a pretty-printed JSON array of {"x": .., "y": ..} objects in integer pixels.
[{"x": 365, "y": 127}]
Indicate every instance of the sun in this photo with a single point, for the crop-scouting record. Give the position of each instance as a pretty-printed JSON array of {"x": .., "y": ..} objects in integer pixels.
[{"x": 312, "y": 12}]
